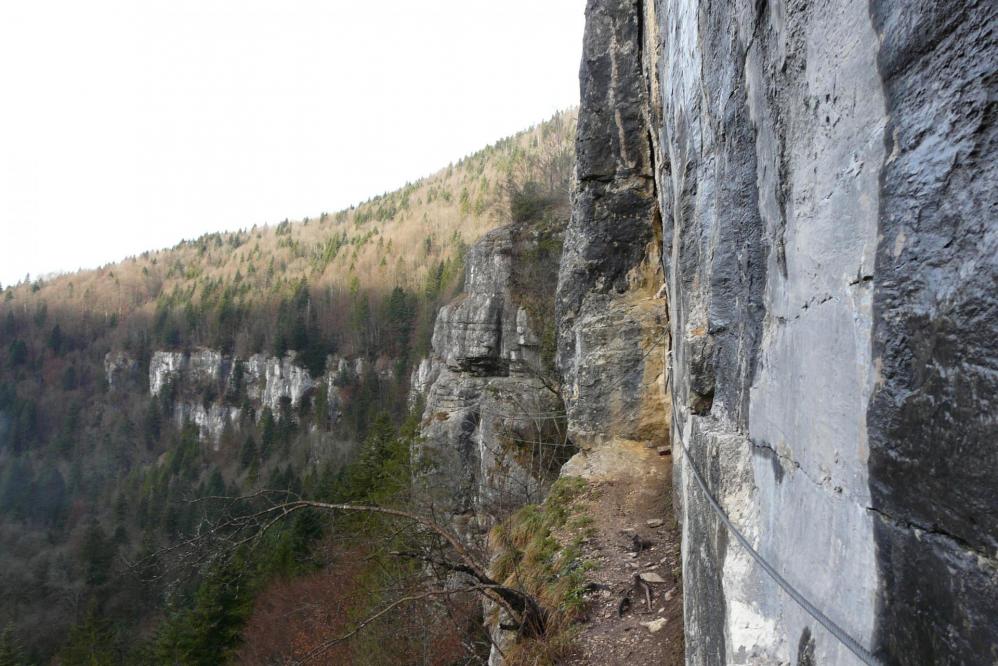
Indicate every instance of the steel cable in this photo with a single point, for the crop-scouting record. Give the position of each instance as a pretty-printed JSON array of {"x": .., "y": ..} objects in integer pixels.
[{"x": 852, "y": 644}]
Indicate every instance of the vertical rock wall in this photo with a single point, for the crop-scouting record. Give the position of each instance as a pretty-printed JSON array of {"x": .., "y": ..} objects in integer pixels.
[
  {"x": 493, "y": 433},
  {"x": 612, "y": 320},
  {"x": 773, "y": 146},
  {"x": 823, "y": 173},
  {"x": 264, "y": 382},
  {"x": 933, "y": 419}
]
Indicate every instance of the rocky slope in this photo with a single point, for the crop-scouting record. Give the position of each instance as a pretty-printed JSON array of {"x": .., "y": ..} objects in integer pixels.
[{"x": 827, "y": 240}]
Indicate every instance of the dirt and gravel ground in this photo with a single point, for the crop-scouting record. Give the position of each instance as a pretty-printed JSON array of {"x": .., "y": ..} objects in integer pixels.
[{"x": 633, "y": 533}]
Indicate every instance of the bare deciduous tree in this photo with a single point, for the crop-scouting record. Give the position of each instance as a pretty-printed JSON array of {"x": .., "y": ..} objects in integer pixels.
[{"x": 447, "y": 567}]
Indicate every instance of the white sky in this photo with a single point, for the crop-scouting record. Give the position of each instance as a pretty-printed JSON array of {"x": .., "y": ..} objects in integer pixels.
[{"x": 128, "y": 125}]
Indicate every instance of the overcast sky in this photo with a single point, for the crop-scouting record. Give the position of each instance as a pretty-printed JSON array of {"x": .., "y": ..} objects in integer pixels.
[{"x": 129, "y": 125}]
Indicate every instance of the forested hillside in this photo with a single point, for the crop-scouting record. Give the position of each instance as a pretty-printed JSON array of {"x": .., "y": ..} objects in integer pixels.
[{"x": 272, "y": 358}]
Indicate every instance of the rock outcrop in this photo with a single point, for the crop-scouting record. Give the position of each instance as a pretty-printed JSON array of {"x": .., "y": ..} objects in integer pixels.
[
  {"x": 612, "y": 319},
  {"x": 198, "y": 369},
  {"x": 268, "y": 380},
  {"x": 493, "y": 432},
  {"x": 211, "y": 420},
  {"x": 820, "y": 176},
  {"x": 210, "y": 389}
]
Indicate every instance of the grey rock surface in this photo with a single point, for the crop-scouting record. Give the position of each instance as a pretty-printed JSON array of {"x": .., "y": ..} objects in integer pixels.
[
  {"x": 269, "y": 379},
  {"x": 820, "y": 176},
  {"x": 264, "y": 381},
  {"x": 493, "y": 434},
  {"x": 197, "y": 369},
  {"x": 422, "y": 379},
  {"x": 612, "y": 322},
  {"x": 165, "y": 367},
  {"x": 211, "y": 421},
  {"x": 773, "y": 152},
  {"x": 485, "y": 332},
  {"x": 933, "y": 417}
]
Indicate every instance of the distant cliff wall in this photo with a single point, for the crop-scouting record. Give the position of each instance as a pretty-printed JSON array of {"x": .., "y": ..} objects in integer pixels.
[
  {"x": 213, "y": 391},
  {"x": 820, "y": 178}
]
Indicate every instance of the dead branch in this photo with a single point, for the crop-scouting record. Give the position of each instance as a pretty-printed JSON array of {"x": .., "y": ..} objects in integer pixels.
[
  {"x": 321, "y": 649},
  {"x": 529, "y": 615}
]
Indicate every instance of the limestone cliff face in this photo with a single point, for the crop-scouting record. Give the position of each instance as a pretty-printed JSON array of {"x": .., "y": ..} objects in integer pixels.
[
  {"x": 266, "y": 380},
  {"x": 493, "y": 432},
  {"x": 819, "y": 178},
  {"x": 212, "y": 390},
  {"x": 269, "y": 380},
  {"x": 612, "y": 319},
  {"x": 201, "y": 368}
]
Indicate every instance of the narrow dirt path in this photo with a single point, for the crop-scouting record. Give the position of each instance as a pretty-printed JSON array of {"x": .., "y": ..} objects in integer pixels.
[{"x": 636, "y": 609}]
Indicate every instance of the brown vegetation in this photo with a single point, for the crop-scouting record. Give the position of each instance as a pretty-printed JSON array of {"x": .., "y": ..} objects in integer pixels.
[{"x": 395, "y": 239}]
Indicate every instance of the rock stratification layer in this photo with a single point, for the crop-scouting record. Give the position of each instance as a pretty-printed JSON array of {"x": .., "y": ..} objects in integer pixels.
[{"x": 820, "y": 176}]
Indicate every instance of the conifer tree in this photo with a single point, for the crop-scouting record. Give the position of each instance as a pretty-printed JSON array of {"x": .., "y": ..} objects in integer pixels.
[
  {"x": 90, "y": 643},
  {"x": 11, "y": 653}
]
